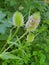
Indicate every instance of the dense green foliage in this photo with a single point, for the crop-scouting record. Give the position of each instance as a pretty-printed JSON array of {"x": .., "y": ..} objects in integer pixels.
[{"x": 23, "y": 52}]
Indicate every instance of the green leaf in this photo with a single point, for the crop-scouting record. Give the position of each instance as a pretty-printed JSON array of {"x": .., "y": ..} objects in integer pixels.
[
  {"x": 8, "y": 55},
  {"x": 2, "y": 15},
  {"x": 2, "y": 28},
  {"x": 4, "y": 63},
  {"x": 35, "y": 53},
  {"x": 5, "y": 24},
  {"x": 42, "y": 59}
]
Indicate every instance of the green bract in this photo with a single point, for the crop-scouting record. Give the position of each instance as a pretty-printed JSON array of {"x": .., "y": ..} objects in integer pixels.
[
  {"x": 18, "y": 19},
  {"x": 30, "y": 37},
  {"x": 33, "y": 22}
]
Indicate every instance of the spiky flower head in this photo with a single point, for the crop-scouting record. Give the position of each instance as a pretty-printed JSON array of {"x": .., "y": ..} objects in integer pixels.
[
  {"x": 18, "y": 19},
  {"x": 33, "y": 21},
  {"x": 30, "y": 37}
]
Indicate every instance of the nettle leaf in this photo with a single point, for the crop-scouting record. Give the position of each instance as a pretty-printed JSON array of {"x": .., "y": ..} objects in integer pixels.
[
  {"x": 8, "y": 22},
  {"x": 5, "y": 28},
  {"x": 5, "y": 24},
  {"x": 8, "y": 55}
]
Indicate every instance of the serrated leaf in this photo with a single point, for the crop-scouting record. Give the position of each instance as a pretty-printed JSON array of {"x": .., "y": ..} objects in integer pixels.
[{"x": 5, "y": 24}]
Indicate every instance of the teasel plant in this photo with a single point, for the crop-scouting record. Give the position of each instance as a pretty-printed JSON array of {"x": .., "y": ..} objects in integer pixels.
[{"x": 30, "y": 26}]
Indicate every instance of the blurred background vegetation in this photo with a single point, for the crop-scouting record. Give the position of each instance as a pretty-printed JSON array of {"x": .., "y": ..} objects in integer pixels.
[{"x": 37, "y": 52}]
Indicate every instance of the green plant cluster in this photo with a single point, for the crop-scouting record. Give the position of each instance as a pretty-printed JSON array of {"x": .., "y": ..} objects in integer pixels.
[{"x": 16, "y": 48}]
